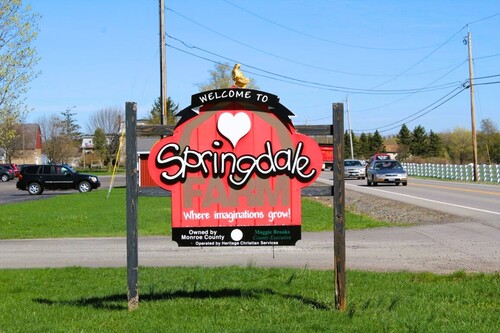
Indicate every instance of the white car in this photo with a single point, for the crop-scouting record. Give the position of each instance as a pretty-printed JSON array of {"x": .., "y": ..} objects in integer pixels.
[
  {"x": 387, "y": 171},
  {"x": 354, "y": 169}
]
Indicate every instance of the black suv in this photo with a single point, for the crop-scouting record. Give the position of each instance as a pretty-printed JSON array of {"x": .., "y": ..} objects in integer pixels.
[{"x": 37, "y": 178}]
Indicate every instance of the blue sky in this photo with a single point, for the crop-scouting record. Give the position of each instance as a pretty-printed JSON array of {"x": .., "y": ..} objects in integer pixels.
[{"x": 398, "y": 61}]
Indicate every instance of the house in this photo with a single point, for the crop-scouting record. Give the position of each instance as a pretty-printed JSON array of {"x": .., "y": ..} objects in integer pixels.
[
  {"x": 144, "y": 145},
  {"x": 392, "y": 150},
  {"x": 28, "y": 144}
]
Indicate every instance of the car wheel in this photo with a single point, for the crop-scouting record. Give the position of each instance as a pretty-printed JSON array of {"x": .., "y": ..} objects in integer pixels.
[
  {"x": 84, "y": 187},
  {"x": 405, "y": 183},
  {"x": 5, "y": 178},
  {"x": 35, "y": 189}
]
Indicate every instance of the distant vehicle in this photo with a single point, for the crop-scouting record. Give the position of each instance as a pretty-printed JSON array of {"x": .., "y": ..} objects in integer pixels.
[
  {"x": 327, "y": 154},
  {"x": 380, "y": 157},
  {"x": 6, "y": 174},
  {"x": 13, "y": 167},
  {"x": 354, "y": 169},
  {"x": 377, "y": 156},
  {"x": 386, "y": 171},
  {"x": 37, "y": 178}
]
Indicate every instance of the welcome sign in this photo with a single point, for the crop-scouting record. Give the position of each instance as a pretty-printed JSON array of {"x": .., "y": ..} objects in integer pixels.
[{"x": 235, "y": 166}]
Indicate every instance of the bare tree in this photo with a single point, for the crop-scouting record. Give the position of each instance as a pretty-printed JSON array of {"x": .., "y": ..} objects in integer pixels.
[
  {"x": 221, "y": 78},
  {"x": 57, "y": 145},
  {"x": 107, "y": 122},
  {"x": 107, "y": 119}
]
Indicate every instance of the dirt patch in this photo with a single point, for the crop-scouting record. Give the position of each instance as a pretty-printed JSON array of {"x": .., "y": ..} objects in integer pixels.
[{"x": 392, "y": 211}]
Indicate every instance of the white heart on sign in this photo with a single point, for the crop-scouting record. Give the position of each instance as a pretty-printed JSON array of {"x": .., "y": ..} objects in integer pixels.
[{"x": 234, "y": 127}]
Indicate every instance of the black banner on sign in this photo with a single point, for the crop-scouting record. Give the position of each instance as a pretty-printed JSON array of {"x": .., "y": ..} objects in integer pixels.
[
  {"x": 234, "y": 95},
  {"x": 241, "y": 95},
  {"x": 237, "y": 236}
]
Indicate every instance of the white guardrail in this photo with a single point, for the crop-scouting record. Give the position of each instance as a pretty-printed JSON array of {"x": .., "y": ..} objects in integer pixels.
[{"x": 486, "y": 172}]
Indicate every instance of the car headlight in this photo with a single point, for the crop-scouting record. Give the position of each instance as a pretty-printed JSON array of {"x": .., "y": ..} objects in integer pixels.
[{"x": 93, "y": 179}]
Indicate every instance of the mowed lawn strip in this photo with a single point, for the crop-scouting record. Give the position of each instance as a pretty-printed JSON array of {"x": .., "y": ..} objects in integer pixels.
[
  {"x": 246, "y": 299},
  {"x": 94, "y": 215}
]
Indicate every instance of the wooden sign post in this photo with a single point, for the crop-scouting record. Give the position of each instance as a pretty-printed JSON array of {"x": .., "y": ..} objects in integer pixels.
[
  {"x": 131, "y": 179},
  {"x": 338, "y": 206}
]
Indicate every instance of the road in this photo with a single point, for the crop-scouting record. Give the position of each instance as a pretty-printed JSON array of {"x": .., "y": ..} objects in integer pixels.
[
  {"x": 477, "y": 201},
  {"x": 444, "y": 248}
]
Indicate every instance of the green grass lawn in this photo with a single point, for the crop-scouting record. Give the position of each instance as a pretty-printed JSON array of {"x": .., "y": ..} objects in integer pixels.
[
  {"x": 94, "y": 215},
  {"x": 225, "y": 299},
  {"x": 246, "y": 299}
]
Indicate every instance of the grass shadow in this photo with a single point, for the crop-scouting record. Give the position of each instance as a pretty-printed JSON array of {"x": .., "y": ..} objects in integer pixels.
[{"x": 118, "y": 301}]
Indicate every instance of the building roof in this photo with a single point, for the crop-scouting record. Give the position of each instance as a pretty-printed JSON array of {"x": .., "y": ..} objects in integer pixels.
[
  {"x": 29, "y": 133},
  {"x": 144, "y": 144}
]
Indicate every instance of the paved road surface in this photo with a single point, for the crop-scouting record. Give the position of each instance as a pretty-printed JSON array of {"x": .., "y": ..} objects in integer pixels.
[
  {"x": 436, "y": 248},
  {"x": 477, "y": 201}
]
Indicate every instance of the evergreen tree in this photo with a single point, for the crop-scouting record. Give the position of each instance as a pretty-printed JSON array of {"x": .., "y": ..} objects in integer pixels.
[
  {"x": 155, "y": 113},
  {"x": 403, "y": 140},
  {"x": 435, "y": 145},
  {"x": 364, "y": 145},
  {"x": 347, "y": 145},
  {"x": 356, "y": 145},
  {"x": 377, "y": 144},
  {"x": 69, "y": 126},
  {"x": 100, "y": 146},
  {"x": 419, "y": 142}
]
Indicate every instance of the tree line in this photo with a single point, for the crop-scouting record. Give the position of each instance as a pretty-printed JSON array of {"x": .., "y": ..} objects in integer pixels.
[{"x": 420, "y": 146}]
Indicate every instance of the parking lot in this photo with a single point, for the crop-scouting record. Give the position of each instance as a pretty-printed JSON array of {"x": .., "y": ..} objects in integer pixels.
[{"x": 10, "y": 194}]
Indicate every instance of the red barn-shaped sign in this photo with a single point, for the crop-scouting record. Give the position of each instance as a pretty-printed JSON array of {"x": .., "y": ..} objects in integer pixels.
[{"x": 235, "y": 166}]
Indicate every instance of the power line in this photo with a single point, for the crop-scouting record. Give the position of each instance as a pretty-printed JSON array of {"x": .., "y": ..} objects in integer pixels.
[
  {"x": 266, "y": 52},
  {"x": 313, "y": 84},
  {"x": 486, "y": 83},
  {"x": 415, "y": 115},
  {"x": 411, "y": 94},
  {"x": 486, "y": 77},
  {"x": 397, "y": 124},
  {"x": 421, "y": 60},
  {"x": 435, "y": 50},
  {"x": 324, "y": 39},
  {"x": 281, "y": 57},
  {"x": 488, "y": 56},
  {"x": 484, "y": 19}
]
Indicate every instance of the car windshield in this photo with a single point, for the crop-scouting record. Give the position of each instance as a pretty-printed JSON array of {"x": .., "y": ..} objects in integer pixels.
[
  {"x": 388, "y": 165},
  {"x": 352, "y": 163}
]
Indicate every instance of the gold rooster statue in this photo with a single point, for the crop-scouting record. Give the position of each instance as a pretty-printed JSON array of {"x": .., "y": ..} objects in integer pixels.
[{"x": 238, "y": 77}]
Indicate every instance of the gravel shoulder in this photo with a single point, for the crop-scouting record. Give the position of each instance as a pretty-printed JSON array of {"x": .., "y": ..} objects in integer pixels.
[{"x": 393, "y": 211}]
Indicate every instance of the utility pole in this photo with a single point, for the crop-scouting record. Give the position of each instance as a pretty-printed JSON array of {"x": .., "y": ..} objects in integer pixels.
[
  {"x": 163, "y": 66},
  {"x": 349, "y": 124},
  {"x": 472, "y": 108}
]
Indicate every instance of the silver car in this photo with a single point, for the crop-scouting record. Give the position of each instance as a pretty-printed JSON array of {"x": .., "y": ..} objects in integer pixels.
[
  {"x": 354, "y": 169},
  {"x": 386, "y": 171}
]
